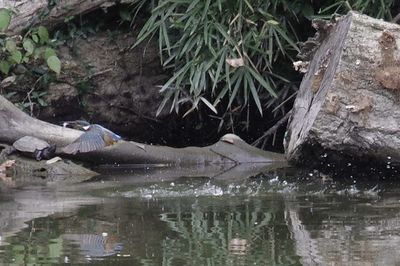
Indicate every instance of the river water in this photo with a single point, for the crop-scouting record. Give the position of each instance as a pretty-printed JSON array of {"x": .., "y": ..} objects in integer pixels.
[{"x": 268, "y": 216}]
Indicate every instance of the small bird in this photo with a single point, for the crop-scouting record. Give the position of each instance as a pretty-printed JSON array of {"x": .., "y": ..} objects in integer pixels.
[{"x": 95, "y": 137}]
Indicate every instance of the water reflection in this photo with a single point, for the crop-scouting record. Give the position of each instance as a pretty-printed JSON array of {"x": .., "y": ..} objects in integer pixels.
[
  {"x": 228, "y": 232},
  {"x": 277, "y": 218}
]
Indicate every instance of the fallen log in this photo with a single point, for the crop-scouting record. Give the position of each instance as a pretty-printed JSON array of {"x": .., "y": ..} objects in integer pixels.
[
  {"x": 348, "y": 101},
  {"x": 15, "y": 124},
  {"x": 27, "y": 13}
]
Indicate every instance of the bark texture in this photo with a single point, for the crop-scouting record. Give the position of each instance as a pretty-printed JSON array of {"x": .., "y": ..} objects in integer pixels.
[
  {"x": 31, "y": 12},
  {"x": 348, "y": 101}
]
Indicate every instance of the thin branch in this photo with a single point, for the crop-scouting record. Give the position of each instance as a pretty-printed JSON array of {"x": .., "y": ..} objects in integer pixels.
[{"x": 273, "y": 129}]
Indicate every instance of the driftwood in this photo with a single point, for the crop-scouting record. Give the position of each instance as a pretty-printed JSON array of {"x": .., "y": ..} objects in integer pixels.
[
  {"x": 15, "y": 124},
  {"x": 28, "y": 13},
  {"x": 348, "y": 102}
]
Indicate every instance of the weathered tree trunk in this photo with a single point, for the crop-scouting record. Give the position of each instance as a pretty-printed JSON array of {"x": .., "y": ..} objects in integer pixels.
[
  {"x": 15, "y": 124},
  {"x": 32, "y": 12},
  {"x": 349, "y": 101}
]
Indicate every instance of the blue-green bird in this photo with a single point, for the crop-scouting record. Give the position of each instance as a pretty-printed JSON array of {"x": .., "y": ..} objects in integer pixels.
[{"x": 95, "y": 137}]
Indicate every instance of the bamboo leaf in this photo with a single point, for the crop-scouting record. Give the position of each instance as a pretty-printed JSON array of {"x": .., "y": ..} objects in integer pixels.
[
  {"x": 164, "y": 31},
  {"x": 286, "y": 37},
  {"x": 249, "y": 5},
  {"x": 238, "y": 83},
  {"x": 224, "y": 33},
  {"x": 176, "y": 75},
  {"x": 221, "y": 95},
  {"x": 206, "y": 7},
  {"x": 174, "y": 102},
  {"x": 219, "y": 69},
  {"x": 263, "y": 82},
  {"x": 254, "y": 92},
  {"x": 167, "y": 96},
  {"x": 209, "y": 105}
]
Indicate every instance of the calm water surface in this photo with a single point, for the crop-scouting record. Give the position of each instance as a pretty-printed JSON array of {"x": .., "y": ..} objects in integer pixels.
[{"x": 280, "y": 217}]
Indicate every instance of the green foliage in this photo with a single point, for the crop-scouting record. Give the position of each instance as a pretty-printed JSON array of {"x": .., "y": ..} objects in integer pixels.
[
  {"x": 34, "y": 45},
  {"x": 219, "y": 50},
  {"x": 5, "y": 19},
  {"x": 374, "y": 8},
  {"x": 84, "y": 86},
  {"x": 4, "y": 66},
  {"x": 233, "y": 56},
  {"x": 54, "y": 63},
  {"x": 43, "y": 35},
  {"x": 35, "y": 98},
  {"x": 26, "y": 59}
]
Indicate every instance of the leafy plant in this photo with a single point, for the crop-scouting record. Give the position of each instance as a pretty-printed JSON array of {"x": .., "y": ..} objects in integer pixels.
[
  {"x": 34, "y": 45},
  {"x": 26, "y": 59},
  {"x": 5, "y": 19},
  {"x": 375, "y": 8},
  {"x": 235, "y": 57},
  {"x": 219, "y": 51}
]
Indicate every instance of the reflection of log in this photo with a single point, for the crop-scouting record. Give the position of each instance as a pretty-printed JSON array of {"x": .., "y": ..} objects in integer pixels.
[
  {"x": 67, "y": 197},
  {"x": 349, "y": 101},
  {"x": 22, "y": 206},
  {"x": 15, "y": 124},
  {"x": 306, "y": 245},
  {"x": 32, "y": 12},
  {"x": 222, "y": 173}
]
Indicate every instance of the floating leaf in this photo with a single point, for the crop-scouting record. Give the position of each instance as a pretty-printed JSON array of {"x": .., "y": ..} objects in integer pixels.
[
  {"x": 5, "y": 19},
  {"x": 54, "y": 63},
  {"x": 28, "y": 46},
  {"x": 43, "y": 35},
  {"x": 4, "y": 67}
]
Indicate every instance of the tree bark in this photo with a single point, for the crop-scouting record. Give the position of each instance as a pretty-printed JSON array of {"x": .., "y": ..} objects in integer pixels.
[
  {"x": 15, "y": 124},
  {"x": 32, "y": 12},
  {"x": 348, "y": 101}
]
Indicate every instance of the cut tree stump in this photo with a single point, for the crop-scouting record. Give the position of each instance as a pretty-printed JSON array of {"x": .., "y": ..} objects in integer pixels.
[{"x": 349, "y": 100}]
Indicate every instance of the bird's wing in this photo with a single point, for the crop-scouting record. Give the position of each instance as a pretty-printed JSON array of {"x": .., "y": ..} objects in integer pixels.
[{"x": 88, "y": 141}]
